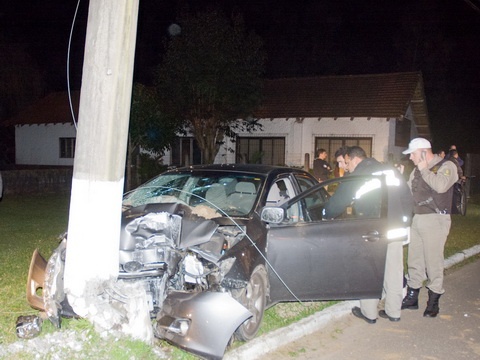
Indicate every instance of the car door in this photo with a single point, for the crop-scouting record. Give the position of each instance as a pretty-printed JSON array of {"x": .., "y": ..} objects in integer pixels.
[{"x": 312, "y": 257}]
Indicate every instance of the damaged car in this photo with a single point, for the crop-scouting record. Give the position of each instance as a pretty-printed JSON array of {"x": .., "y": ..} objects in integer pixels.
[{"x": 211, "y": 247}]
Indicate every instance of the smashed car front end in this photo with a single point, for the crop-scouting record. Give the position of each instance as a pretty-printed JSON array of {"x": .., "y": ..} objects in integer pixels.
[
  {"x": 188, "y": 258},
  {"x": 188, "y": 280},
  {"x": 187, "y": 287}
]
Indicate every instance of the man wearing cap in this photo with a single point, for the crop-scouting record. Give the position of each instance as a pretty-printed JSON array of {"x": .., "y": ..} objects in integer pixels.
[{"x": 431, "y": 183}]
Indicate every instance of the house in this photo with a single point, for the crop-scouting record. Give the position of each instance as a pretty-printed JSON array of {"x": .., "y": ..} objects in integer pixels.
[
  {"x": 45, "y": 132},
  {"x": 379, "y": 112}
]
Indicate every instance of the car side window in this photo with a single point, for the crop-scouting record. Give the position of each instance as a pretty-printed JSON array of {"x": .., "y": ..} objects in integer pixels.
[
  {"x": 354, "y": 198},
  {"x": 345, "y": 199},
  {"x": 314, "y": 203},
  {"x": 307, "y": 208},
  {"x": 305, "y": 182},
  {"x": 280, "y": 192}
]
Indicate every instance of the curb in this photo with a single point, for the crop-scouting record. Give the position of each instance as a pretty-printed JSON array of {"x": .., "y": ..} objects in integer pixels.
[
  {"x": 266, "y": 343},
  {"x": 461, "y": 256}
]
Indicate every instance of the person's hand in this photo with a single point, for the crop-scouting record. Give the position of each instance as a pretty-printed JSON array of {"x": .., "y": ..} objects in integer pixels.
[{"x": 422, "y": 164}]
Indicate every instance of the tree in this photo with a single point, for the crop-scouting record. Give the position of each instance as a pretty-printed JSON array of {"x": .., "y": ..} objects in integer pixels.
[
  {"x": 210, "y": 77},
  {"x": 150, "y": 129}
]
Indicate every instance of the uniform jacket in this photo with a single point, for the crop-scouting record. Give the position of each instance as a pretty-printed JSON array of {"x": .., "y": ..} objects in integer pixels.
[
  {"x": 400, "y": 202},
  {"x": 434, "y": 192}
]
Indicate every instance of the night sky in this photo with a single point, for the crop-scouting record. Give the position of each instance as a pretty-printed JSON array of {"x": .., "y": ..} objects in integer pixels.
[{"x": 302, "y": 38}]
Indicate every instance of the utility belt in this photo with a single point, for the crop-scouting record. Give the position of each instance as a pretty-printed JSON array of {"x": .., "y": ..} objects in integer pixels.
[{"x": 428, "y": 207}]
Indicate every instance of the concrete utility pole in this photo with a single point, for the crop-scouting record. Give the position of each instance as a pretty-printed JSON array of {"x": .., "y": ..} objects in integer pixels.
[{"x": 100, "y": 154}]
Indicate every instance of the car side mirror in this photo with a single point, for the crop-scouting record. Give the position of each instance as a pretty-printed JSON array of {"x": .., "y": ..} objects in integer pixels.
[{"x": 273, "y": 215}]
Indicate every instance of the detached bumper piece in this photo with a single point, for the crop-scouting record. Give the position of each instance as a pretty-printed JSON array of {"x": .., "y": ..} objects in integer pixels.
[
  {"x": 45, "y": 285},
  {"x": 36, "y": 281},
  {"x": 202, "y": 323}
]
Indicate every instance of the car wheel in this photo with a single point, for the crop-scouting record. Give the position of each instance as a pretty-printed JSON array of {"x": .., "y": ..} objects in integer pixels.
[{"x": 253, "y": 297}]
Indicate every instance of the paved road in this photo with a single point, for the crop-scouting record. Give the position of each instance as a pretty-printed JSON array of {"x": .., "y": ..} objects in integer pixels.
[{"x": 454, "y": 334}]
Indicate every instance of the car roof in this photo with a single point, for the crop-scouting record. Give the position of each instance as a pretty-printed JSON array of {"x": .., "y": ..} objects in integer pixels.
[{"x": 249, "y": 168}]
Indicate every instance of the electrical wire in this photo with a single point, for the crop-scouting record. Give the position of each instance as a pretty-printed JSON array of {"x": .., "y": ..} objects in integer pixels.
[
  {"x": 218, "y": 209},
  {"x": 68, "y": 66},
  {"x": 472, "y": 5}
]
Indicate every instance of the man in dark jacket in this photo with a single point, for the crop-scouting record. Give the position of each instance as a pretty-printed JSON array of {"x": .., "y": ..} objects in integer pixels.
[
  {"x": 321, "y": 168},
  {"x": 400, "y": 205}
]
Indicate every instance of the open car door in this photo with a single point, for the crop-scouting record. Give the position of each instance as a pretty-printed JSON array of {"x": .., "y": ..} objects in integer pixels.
[{"x": 319, "y": 253}]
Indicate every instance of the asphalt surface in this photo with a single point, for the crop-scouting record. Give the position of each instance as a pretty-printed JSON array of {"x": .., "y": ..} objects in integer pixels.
[{"x": 335, "y": 333}]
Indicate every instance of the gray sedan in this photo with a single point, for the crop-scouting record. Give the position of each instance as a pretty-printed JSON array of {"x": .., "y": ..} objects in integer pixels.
[{"x": 213, "y": 246}]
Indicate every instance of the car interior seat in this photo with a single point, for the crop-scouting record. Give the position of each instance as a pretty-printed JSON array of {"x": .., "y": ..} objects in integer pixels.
[
  {"x": 243, "y": 197},
  {"x": 276, "y": 196},
  {"x": 216, "y": 195}
]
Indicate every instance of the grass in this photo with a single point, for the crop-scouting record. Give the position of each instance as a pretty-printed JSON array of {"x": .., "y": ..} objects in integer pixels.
[
  {"x": 29, "y": 222},
  {"x": 464, "y": 232}
]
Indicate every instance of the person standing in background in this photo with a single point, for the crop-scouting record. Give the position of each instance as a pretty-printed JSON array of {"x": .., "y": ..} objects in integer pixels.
[
  {"x": 458, "y": 158},
  {"x": 321, "y": 168},
  {"x": 453, "y": 157}
]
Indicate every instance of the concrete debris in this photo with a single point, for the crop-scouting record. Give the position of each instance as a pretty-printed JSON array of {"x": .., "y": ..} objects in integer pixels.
[{"x": 118, "y": 307}]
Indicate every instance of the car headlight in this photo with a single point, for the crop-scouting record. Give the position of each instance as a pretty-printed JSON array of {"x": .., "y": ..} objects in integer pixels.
[{"x": 132, "y": 266}]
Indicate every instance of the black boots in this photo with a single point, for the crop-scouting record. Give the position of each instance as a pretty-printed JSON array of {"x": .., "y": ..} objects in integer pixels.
[
  {"x": 410, "y": 301},
  {"x": 432, "y": 304}
]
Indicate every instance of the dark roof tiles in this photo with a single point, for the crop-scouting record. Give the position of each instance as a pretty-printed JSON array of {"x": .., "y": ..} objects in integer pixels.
[
  {"x": 378, "y": 95},
  {"x": 382, "y": 95},
  {"x": 52, "y": 109}
]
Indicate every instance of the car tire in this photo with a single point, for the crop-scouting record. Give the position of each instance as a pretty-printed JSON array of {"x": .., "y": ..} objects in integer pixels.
[{"x": 253, "y": 297}]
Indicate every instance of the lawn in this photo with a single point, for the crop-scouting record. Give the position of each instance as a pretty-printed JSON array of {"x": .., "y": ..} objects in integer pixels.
[
  {"x": 29, "y": 222},
  {"x": 26, "y": 223}
]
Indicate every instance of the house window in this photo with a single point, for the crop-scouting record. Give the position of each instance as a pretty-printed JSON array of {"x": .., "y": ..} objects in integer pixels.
[
  {"x": 185, "y": 152},
  {"x": 67, "y": 148},
  {"x": 332, "y": 144},
  {"x": 256, "y": 150}
]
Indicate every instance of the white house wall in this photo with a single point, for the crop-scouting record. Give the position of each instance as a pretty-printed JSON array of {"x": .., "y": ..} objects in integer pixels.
[
  {"x": 286, "y": 128},
  {"x": 378, "y": 129},
  {"x": 300, "y": 135},
  {"x": 40, "y": 144}
]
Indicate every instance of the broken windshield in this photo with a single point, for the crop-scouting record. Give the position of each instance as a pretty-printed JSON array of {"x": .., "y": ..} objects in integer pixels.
[{"x": 227, "y": 193}]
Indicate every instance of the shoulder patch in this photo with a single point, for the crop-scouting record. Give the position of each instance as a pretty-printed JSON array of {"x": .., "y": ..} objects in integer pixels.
[{"x": 434, "y": 169}]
